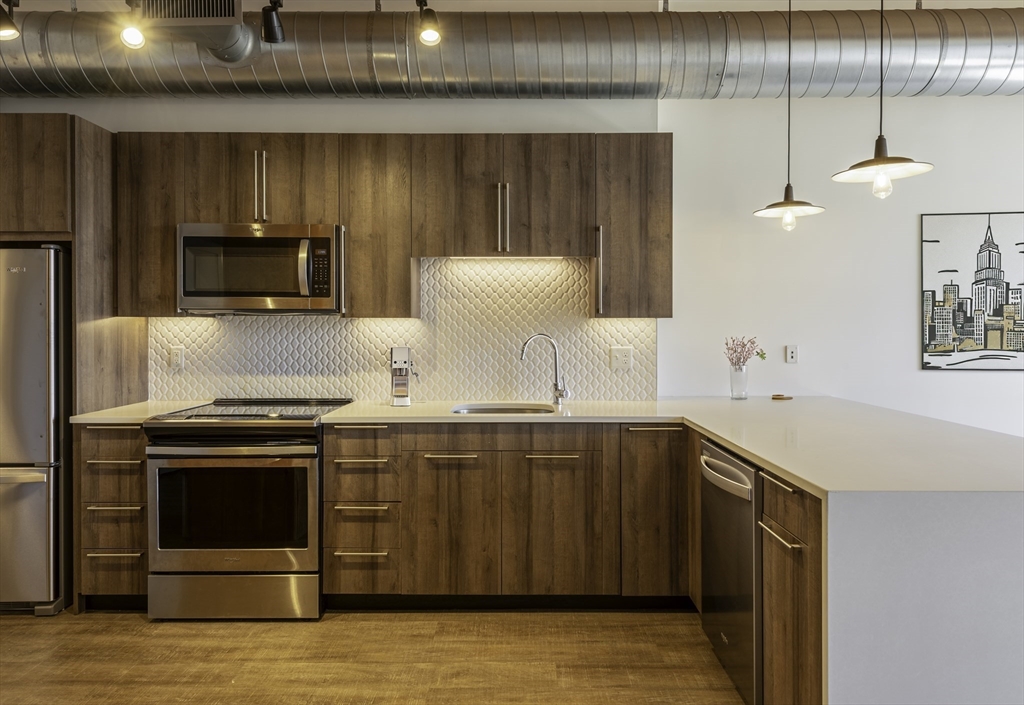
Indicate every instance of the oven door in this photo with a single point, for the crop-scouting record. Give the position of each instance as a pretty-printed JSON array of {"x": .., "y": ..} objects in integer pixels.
[
  {"x": 233, "y": 514},
  {"x": 257, "y": 268}
]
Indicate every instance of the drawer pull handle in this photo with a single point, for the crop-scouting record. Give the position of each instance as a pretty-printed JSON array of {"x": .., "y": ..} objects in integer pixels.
[
  {"x": 114, "y": 462},
  {"x": 361, "y": 461},
  {"x": 791, "y": 490},
  {"x": 363, "y": 509},
  {"x": 652, "y": 428},
  {"x": 784, "y": 542},
  {"x": 360, "y": 553},
  {"x": 113, "y": 555},
  {"x": 113, "y": 428},
  {"x": 340, "y": 428},
  {"x": 552, "y": 457},
  {"x": 115, "y": 509},
  {"x": 432, "y": 456}
]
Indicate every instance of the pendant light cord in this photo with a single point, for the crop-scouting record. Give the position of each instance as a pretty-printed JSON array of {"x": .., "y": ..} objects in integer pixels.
[
  {"x": 789, "y": 96},
  {"x": 881, "y": 53}
]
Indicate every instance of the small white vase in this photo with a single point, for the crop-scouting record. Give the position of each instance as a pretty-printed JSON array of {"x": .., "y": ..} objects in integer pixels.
[{"x": 738, "y": 381}]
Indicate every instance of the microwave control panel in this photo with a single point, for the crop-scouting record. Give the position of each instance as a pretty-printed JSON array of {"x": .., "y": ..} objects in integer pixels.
[{"x": 322, "y": 270}]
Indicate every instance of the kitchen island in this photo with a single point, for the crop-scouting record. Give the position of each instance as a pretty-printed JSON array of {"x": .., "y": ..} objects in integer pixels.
[{"x": 922, "y": 530}]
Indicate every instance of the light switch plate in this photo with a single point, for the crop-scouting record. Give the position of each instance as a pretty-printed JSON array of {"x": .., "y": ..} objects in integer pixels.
[
  {"x": 177, "y": 361},
  {"x": 622, "y": 358},
  {"x": 792, "y": 354}
]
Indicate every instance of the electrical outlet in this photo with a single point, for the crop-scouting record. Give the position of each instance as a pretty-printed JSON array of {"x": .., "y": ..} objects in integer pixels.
[
  {"x": 177, "y": 357},
  {"x": 792, "y": 354},
  {"x": 622, "y": 358}
]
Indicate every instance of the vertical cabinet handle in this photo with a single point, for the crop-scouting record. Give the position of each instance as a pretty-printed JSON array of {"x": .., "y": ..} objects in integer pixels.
[
  {"x": 255, "y": 186},
  {"x": 600, "y": 269},
  {"x": 499, "y": 217},
  {"x": 343, "y": 269},
  {"x": 264, "y": 186},
  {"x": 508, "y": 218}
]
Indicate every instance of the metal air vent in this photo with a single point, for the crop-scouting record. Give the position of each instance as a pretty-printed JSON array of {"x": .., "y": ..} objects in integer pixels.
[{"x": 185, "y": 12}]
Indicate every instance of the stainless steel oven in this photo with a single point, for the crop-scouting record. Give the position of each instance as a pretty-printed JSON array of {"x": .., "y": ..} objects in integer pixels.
[{"x": 257, "y": 268}]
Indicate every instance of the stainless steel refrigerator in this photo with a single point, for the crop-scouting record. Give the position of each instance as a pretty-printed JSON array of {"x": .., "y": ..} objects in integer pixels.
[{"x": 32, "y": 428}]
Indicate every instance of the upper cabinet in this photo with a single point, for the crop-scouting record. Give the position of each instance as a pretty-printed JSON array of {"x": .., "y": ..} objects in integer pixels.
[
  {"x": 35, "y": 172},
  {"x": 247, "y": 177},
  {"x": 503, "y": 195},
  {"x": 634, "y": 217}
]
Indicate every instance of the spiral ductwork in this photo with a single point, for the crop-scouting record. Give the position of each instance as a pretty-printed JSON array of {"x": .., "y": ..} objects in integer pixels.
[{"x": 536, "y": 55}]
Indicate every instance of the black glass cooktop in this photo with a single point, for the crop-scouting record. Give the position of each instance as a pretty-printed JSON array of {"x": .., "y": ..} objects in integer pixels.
[{"x": 258, "y": 410}]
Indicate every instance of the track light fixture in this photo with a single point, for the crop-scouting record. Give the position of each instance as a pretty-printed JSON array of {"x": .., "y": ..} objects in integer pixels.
[
  {"x": 430, "y": 30},
  {"x": 8, "y": 30},
  {"x": 273, "y": 31},
  {"x": 132, "y": 37},
  {"x": 788, "y": 208},
  {"x": 881, "y": 169}
]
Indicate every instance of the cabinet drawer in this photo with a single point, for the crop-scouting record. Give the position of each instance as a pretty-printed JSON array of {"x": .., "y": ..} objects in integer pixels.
[
  {"x": 126, "y": 442},
  {"x": 376, "y": 524},
  {"x": 362, "y": 571},
  {"x": 363, "y": 479},
  {"x": 114, "y": 526},
  {"x": 367, "y": 440},
  {"x": 790, "y": 506},
  {"x": 114, "y": 571},
  {"x": 502, "y": 436},
  {"x": 113, "y": 480}
]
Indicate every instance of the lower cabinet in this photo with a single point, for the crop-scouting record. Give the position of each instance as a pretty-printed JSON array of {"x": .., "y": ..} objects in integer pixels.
[
  {"x": 791, "y": 599},
  {"x": 451, "y": 530}
]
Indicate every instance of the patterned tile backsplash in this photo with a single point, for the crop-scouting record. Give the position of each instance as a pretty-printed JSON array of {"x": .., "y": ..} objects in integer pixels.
[{"x": 475, "y": 315}]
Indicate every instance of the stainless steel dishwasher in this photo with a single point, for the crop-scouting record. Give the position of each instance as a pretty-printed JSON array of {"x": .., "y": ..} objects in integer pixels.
[{"x": 731, "y": 566}]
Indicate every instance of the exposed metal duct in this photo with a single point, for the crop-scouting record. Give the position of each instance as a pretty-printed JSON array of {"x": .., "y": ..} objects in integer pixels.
[{"x": 537, "y": 55}]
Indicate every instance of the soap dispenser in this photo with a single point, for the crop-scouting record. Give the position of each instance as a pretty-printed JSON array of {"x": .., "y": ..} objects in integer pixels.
[{"x": 401, "y": 368}]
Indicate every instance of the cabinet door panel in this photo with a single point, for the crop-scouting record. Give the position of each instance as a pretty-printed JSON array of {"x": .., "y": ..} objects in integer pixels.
[
  {"x": 551, "y": 194},
  {"x": 552, "y": 529},
  {"x": 654, "y": 511},
  {"x": 451, "y": 524},
  {"x": 455, "y": 195},
  {"x": 634, "y": 208},
  {"x": 150, "y": 204},
  {"x": 221, "y": 177},
  {"x": 302, "y": 178},
  {"x": 35, "y": 172},
  {"x": 375, "y": 211}
]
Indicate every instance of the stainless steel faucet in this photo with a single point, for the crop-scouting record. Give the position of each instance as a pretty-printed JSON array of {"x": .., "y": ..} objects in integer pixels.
[{"x": 560, "y": 391}]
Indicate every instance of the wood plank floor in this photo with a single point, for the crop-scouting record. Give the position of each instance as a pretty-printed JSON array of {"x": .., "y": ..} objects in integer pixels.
[{"x": 375, "y": 658}]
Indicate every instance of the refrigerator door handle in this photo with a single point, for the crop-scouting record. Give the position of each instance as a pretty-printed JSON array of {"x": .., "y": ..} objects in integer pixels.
[{"x": 14, "y": 476}]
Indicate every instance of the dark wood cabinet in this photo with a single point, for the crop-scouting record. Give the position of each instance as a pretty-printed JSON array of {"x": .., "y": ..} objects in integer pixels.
[
  {"x": 35, "y": 172},
  {"x": 654, "y": 510},
  {"x": 151, "y": 203},
  {"x": 791, "y": 600},
  {"x": 693, "y": 483},
  {"x": 634, "y": 214},
  {"x": 552, "y": 528},
  {"x": 455, "y": 195},
  {"x": 381, "y": 279},
  {"x": 246, "y": 177},
  {"x": 451, "y": 528}
]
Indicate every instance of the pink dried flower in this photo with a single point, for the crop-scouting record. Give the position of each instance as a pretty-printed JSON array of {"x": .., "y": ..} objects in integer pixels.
[{"x": 740, "y": 350}]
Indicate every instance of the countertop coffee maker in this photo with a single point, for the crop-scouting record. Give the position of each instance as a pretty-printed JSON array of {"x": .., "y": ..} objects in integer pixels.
[{"x": 401, "y": 369}]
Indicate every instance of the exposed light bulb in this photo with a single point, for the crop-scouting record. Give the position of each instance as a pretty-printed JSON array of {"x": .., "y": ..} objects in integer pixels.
[
  {"x": 133, "y": 38},
  {"x": 430, "y": 37},
  {"x": 788, "y": 220},
  {"x": 882, "y": 186}
]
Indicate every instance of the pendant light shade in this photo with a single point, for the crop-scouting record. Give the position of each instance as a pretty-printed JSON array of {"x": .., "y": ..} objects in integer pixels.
[
  {"x": 8, "y": 30},
  {"x": 881, "y": 170},
  {"x": 789, "y": 209}
]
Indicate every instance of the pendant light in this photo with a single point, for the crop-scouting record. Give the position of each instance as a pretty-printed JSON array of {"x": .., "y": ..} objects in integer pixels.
[
  {"x": 789, "y": 209},
  {"x": 430, "y": 30},
  {"x": 8, "y": 30},
  {"x": 882, "y": 169}
]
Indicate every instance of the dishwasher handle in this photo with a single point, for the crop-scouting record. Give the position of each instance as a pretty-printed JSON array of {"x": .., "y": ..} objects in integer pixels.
[{"x": 738, "y": 489}]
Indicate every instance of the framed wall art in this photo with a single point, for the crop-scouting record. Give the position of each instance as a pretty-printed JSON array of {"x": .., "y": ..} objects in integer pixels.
[{"x": 972, "y": 278}]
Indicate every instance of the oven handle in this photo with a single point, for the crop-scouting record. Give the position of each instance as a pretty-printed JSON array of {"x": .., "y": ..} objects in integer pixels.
[{"x": 232, "y": 452}]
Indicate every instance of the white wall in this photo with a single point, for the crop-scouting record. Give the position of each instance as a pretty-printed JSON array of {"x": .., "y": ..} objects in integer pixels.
[{"x": 844, "y": 285}]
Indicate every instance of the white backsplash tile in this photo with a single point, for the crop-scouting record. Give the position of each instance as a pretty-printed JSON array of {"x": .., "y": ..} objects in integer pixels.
[{"x": 476, "y": 313}]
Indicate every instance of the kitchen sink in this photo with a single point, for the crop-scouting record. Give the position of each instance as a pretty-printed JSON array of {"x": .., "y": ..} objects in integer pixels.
[{"x": 503, "y": 407}]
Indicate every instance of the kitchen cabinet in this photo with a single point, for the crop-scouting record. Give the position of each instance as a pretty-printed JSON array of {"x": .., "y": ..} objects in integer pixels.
[
  {"x": 151, "y": 203},
  {"x": 381, "y": 279},
  {"x": 35, "y": 172},
  {"x": 110, "y": 523},
  {"x": 655, "y": 557},
  {"x": 527, "y": 195},
  {"x": 693, "y": 519},
  {"x": 791, "y": 600},
  {"x": 248, "y": 177},
  {"x": 634, "y": 217}
]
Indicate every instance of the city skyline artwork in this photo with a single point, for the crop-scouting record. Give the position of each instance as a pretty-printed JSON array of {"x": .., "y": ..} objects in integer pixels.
[{"x": 972, "y": 275}]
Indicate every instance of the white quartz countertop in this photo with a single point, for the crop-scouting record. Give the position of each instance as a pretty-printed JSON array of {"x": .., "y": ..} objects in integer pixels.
[{"x": 821, "y": 443}]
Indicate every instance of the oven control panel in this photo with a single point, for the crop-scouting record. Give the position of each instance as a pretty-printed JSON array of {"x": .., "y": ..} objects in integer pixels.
[{"x": 322, "y": 269}]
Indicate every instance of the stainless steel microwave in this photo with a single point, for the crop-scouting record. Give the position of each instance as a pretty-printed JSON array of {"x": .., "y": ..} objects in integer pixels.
[{"x": 258, "y": 268}]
